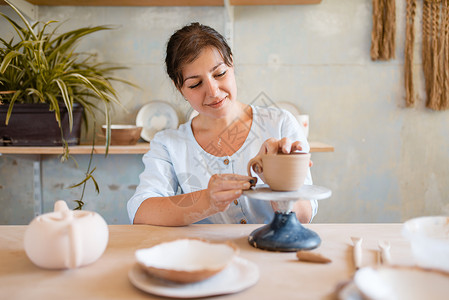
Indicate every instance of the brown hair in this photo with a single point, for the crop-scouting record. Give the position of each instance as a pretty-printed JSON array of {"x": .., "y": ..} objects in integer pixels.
[{"x": 185, "y": 45}]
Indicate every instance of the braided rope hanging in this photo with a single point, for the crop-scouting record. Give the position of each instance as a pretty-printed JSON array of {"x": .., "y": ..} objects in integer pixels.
[
  {"x": 383, "y": 34},
  {"x": 435, "y": 47},
  {"x": 435, "y": 53},
  {"x": 408, "y": 57}
]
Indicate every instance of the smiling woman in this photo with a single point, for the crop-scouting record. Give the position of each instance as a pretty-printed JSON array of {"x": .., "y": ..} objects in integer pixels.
[
  {"x": 196, "y": 173},
  {"x": 209, "y": 85}
]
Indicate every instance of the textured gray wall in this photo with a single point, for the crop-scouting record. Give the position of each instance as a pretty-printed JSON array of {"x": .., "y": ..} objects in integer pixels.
[{"x": 390, "y": 163}]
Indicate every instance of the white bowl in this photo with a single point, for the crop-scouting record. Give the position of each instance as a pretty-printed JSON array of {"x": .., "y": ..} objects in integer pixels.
[
  {"x": 396, "y": 282},
  {"x": 185, "y": 260},
  {"x": 429, "y": 239}
]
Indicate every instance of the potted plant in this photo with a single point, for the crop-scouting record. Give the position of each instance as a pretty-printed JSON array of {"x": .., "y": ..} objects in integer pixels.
[{"x": 42, "y": 69}]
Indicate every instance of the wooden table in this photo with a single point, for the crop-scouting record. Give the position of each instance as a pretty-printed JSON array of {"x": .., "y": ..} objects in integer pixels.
[{"x": 282, "y": 276}]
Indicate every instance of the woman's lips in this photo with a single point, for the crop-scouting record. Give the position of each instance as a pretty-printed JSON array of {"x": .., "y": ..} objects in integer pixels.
[{"x": 217, "y": 104}]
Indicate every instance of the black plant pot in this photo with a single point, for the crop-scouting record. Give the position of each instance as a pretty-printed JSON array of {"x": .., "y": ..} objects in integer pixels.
[{"x": 36, "y": 125}]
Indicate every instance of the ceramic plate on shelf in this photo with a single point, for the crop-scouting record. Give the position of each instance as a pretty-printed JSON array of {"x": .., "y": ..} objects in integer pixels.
[
  {"x": 287, "y": 106},
  {"x": 154, "y": 117},
  {"x": 397, "y": 282},
  {"x": 240, "y": 274}
]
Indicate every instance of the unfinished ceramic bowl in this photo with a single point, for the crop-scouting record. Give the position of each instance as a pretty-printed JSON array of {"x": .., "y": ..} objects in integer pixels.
[
  {"x": 281, "y": 171},
  {"x": 397, "y": 282},
  {"x": 123, "y": 134},
  {"x": 429, "y": 240},
  {"x": 185, "y": 260}
]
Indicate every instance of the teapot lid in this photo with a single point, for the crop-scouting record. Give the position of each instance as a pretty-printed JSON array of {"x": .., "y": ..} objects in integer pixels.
[{"x": 63, "y": 213}]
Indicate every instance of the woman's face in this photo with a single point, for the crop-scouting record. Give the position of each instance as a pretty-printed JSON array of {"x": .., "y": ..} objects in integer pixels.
[{"x": 209, "y": 84}]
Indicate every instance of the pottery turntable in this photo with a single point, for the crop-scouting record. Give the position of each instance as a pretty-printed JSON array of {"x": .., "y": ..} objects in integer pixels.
[{"x": 285, "y": 233}]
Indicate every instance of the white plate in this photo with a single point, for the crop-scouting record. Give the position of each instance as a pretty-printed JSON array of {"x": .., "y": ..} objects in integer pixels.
[
  {"x": 287, "y": 106},
  {"x": 154, "y": 117},
  {"x": 306, "y": 192},
  {"x": 240, "y": 274},
  {"x": 397, "y": 283}
]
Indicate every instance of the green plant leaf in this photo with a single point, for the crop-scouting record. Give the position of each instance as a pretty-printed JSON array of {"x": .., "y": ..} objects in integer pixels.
[
  {"x": 54, "y": 104},
  {"x": 97, "y": 188},
  {"x": 81, "y": 183},
  {"x": 30, "y": 29},
  {"x": 11, "y": 104},
  {"x": 20, "y": 31},
  {"x": 67, "y": 101},
  {"x": 43, "y": 66},
  {"x": 7, "y": 59}
]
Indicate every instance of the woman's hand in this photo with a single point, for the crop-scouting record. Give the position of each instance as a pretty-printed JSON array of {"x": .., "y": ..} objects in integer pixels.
[
  {"x": 284, "y": 145},
  {"x": 225, "y": 188}
]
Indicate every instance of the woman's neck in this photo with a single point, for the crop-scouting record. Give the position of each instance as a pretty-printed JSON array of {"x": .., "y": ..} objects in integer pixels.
[
  {"x": 240, "y": 112},
  {"x": 223, "y": 136}
]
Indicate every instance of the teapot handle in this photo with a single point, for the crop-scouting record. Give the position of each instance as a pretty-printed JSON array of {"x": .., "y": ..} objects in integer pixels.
[{"x": 75, "y": 246}]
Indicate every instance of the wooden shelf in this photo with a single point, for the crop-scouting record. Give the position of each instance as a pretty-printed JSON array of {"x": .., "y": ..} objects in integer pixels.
[
  {"x": 165, "y": 2},
  {"x": 320, "y": 147},
  {"x": 274, "y": 2},
  {"x": 128, "y": 2},
  {"x": 139, "y": 148}
]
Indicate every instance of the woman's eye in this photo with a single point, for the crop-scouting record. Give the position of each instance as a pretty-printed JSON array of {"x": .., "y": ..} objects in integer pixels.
[
  {"x": 221, "y": 74},
  {"x": 195, "y": 85}
]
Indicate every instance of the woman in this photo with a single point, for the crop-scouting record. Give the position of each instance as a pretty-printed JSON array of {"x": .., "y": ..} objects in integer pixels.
[{"x": 195, "y": 173}]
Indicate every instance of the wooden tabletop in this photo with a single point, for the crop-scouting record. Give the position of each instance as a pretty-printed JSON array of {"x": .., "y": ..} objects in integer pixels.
[{"x": 282, "y": 276}]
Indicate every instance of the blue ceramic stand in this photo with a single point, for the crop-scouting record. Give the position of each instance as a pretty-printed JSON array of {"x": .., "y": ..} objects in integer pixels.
[{"x": 285, "y": 233}]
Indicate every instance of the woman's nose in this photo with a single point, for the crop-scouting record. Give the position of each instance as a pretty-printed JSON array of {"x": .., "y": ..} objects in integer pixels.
[{"x": 212, "y": 88}]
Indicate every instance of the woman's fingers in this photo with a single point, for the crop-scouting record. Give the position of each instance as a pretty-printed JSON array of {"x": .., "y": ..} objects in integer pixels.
[
  {"x": 231, "y": 185},
  {"x": 296, "y": 146},
  {"x": 270, "y": 146},
  {"x": 284, "y": 145},
  {"x": 235, "y": 177},
  {"x": 232, "y": 181},
  {"x": 223, "y": 182},
  {"x": 225, "y": 188}
]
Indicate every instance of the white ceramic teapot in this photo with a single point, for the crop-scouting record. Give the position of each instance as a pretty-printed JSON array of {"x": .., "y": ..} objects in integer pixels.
[{"x": 65, "y": 238}]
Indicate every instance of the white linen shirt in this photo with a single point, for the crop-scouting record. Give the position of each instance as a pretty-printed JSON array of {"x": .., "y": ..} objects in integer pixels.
[{"x": 177, "y": 164}]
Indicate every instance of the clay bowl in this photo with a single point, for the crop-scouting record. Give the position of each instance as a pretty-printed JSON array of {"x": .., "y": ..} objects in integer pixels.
[
  {"x": 123, "y": 134},
  {"x": 429, "y": 240},
  {"x": 397, "y": 282},
  {"x": 185, "y": 260}
]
